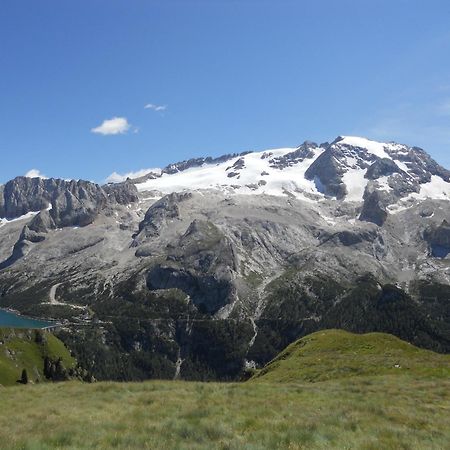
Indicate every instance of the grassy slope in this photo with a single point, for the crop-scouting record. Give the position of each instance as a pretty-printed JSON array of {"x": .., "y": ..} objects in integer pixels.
[
  {"x": 19, "y": 349},
  {"x": 407, "y": 409},
  {"x": 384, "y": 412},
  {"x": 333, "y": 354}
]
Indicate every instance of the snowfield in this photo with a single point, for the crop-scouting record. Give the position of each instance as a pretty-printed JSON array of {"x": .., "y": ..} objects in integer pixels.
[{"x": 259, "y": 173}]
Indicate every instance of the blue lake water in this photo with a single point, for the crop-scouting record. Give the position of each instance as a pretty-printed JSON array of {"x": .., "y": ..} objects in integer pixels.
[{"x": 9, "y": 319}]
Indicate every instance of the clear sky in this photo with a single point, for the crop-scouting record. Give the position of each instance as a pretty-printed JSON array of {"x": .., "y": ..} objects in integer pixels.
[{"x": 217, "y": 76}]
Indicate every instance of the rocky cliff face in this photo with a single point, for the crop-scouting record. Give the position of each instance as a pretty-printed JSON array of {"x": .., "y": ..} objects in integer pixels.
[
  {"x": 57, "y": 204},
  {"x": 195, "y": 273},
  {"x": 66, "y": 199}
]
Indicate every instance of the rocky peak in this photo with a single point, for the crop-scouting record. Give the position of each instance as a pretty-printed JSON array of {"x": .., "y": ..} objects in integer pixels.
[
  {"x": 382, "y": 167},
  {"x": 305, "y": 151},
  {"x": 63, "y": 198},
  {"x": 327, "y": 171}
]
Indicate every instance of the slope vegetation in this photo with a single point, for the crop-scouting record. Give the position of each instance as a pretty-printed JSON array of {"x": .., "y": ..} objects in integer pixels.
[
  {"x": 334, "y": 354},
  {"x": 27, "y": 349}
]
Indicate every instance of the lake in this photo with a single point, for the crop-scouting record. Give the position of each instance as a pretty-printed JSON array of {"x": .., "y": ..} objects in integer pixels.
[{"x": 10, "y": 319}]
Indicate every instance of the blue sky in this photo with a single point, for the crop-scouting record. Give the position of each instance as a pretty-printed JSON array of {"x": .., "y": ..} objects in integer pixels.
[{"x": 227, "y": 76}]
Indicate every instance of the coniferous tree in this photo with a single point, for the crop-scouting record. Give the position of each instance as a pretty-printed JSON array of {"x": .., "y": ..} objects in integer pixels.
[{"x": 24, "y": 377}]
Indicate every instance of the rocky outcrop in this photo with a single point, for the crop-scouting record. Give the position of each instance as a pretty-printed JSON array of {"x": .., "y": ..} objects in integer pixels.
[
  {"x": 326, "y": 171},
  {"x": 42, "y": 222},
  {"x": 438, "y": 239},
  {"x": 420, "y": 165},
  {"x": 374, "y": 209},
  {"x": 349, "y": 237},
  {"x": 21, "y": 248},
  {"x": 78, "y": 204},
  {"x": 382, "y": 168},
  {"x": 60, "y": 204},
  {"x": 71, "y": 202},
  {"x": 158, "y": 216},
  {"x": 201, "y": 265},
  {"x": 305, "y": 151},
  {"x": 22, "y": 195},
  {"x": 122, "y": 193}
]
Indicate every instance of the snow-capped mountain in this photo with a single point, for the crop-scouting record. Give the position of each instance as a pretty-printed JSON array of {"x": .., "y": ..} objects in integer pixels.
[
  {"x": 232, "y": 258},
  {"x": 344, "y": 169}
]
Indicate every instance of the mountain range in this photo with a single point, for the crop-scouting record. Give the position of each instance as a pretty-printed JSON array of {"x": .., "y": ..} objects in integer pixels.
[{"x": 209, "y": 266}]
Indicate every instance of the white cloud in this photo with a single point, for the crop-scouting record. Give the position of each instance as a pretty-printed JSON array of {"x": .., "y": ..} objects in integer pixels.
[
  {"x": 157, "y": 108},
  {"x": 116, "y": 125},
  {"x": 117, "y": 177},
  {"x": 34, "y": 173}
]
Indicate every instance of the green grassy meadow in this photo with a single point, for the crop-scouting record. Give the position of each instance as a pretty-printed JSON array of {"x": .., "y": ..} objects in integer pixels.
[
  {"x": 26, "y": 349},
  {"x": 333, "y": 354},
  {"x": 391, "y": 409}
]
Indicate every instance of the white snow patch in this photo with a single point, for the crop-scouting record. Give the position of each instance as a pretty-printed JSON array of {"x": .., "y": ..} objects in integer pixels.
[
  {"x": 215, "y": 176},
  {"x": 374, "y": 147},
  {"x": 436, "y": 188},
  {"x": 356, "y": 184},
  {"x": 402, "y": 165},
  {"x": 329, "y": 220},
  {"x": 383, "y": 184},
  {"x": 28, "y": 215}
]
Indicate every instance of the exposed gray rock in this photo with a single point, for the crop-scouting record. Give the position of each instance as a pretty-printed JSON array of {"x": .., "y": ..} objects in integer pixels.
[
  {"x": 42, "y": 222},
  {"x": 78, "y": 204},
  {"x": 159, "y": 215},
  {"x": 201, "y": 265},
  {"x": 326, "y": 171},
  {"x": 374, "y": 209},
  {"x": 382, "y": 168},
  {"x": 238, "y": 165},
  {"x": 23, "y": 195},
  {"x": 61, "y": 204},
  {"x": 350, "y": 237},
  {"x": 305, "y": 151},
  {"x": 71, "y": 202},
  {"x": 438, "y": 238},
  {"x": 419, "y": 163},
  {"x": 122, "y": 193}
]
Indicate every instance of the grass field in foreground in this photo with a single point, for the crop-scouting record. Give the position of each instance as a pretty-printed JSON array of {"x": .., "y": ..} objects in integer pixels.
[
  {"x": 377, "y": 412},
  {"x": 369, "y": 391}
]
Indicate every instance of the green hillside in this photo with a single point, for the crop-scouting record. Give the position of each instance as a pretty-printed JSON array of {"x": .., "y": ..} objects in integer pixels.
[
  {"x": 27, "y": 349},
  {"x": 334, "y": 354}
]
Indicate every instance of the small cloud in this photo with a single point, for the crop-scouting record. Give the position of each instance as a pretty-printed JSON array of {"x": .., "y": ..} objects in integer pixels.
[
  {"x": 34, "y": 173},
  {"x": 157, "y": 108},
  {"x": 116, "y": 125},
  {"x": 117, "y": 177}
]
